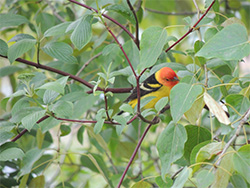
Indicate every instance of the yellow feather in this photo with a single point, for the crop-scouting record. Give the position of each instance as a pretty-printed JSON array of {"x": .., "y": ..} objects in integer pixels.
[{"x": 162, "y": 92}]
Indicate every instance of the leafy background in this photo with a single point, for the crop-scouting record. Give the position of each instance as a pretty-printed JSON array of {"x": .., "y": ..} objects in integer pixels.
[{"x": 67, "y": 67}]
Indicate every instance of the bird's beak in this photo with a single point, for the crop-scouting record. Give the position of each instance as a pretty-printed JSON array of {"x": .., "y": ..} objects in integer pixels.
[{"x": 176, "y": 79}]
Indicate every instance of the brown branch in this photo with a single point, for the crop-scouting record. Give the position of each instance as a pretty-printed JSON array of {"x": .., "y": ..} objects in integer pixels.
[
  {"x": 40, "y": 66},
  {"x": 25, "y": 130},
  {"x": 191, "y": 29},
  {"x": 137, "y": 42}
]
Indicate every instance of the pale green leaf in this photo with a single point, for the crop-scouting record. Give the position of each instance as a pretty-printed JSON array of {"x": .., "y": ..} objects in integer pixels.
[
  {"x": 11, "y": 153},
  {"x": 3, "y": 48},
  {"x": 161, "y": 103},
  {"x": 205, "y": 178},
  {"x": 9, "y": 20},
  {"x": 61, "y": 51},
  {"x": 152, "y": 42},
  {"x": 57, "y": 30},
  {"x": 29, "y": 159},
  {"x": 170, "y": 145},
  {"x": 241, "y": 160},
  {"x": 182, "y": 178},
  {"x": 82, "y": 33},
  {"x": 30, "y": 120},
  {"x": 19, "y": 48},
  {"x": 231, "y": 43},
  {"x": 182, "y": 97},
  {"x": 8, "y": 70}
]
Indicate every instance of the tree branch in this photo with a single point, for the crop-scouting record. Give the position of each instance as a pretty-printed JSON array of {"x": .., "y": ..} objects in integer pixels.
[
  {"x": 244, "y": 119},
  {"x": 191, "y": 29},
  {"x": 137, "y": 42},
  {"x": 40, "y": 66}
]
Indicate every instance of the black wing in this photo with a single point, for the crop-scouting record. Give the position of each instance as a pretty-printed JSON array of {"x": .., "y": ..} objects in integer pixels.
[{"x": 147, "y": 86}]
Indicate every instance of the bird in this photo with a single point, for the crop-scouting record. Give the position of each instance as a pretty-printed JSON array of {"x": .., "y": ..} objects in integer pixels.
[{"x": 157, "y": 85}]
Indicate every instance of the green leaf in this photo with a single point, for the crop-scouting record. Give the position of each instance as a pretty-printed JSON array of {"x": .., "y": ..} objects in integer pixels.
[
  {"x": 207, "y": 152},
  {"x": 238, "y": 181},
  {"x": 82, "y": 33},
  {"x": 38, "y": 181},
  {"x": 205, "y": 178},
  {"x": 152, "y": 42},
  {"x": 195, "y": 150},
  {"x": 170, "y": 145},
  {"x": 238, "y": 102},
  {"x": 161, "y": 103},
  {"x": 60, "y": 51},
  {"x": 126, "y": 108},
  {"x": 221, "y": 175},
  {"x": 19, "y": 48},
  {"x": 182, "y": 97},
  {"x": 63, "y": 109},
  {"x": 57, "y": 86},
  {"x": 231, "y": 43},
  {"x": 48, "y": 124},
  {"x": 241, "y": 161},
  {"x": 195, "y": 136},
  {"x": 8, "y": 70},
  {"x": 29, "y": 159},
  {"x": 122, "y": 10},
  {"x": 122, "y": 121},
  {"x": 95, "y": 163},
  {"x": 109, "y": 49},
  {"x": 194, "y": 112},
  {"x": 182, "y": 178},
  {"x": 21, "y": 36},
  {"x": 80, "y": 134},
  {"x": 65, "y": 130},
  {"x": 30, "y": 120},
  {"x": 98, "y": 126},
  {"x": 3, "y": 48},
  {"x": 132, "y": 51},
  {"x": 9, "y": 151},
  {"x": 141, "y": 184},
  {"x": 5, "y": 136},
  {"x": 57, "y": 30},
  {"x": 49, "y": 96},
  {"x": 163, "y": 184},
  {"x": 9, "y": 20}
]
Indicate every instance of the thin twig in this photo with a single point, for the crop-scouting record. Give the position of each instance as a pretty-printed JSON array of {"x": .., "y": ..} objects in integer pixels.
[
  {"x": 54, "y": 11},
  {"x": 191, "y": 29},
  {"x": 87, "y": 63},
  {"x": 123, "y": 51},
  {"x": 137, "y": 42},
  {"x": 176, "y": 173},
  {"x": 134, "y": 154},
  {"x": 244, "y": 119}
]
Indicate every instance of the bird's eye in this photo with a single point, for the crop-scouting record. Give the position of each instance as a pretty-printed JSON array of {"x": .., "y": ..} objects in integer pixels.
[{"x": 167, "y": 79}]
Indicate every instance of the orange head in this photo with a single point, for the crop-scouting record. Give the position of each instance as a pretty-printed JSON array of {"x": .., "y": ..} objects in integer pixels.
[{"x": 167, "y": 77}]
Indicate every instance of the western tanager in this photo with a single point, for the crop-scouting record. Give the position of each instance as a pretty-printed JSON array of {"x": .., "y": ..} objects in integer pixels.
[{"x": 158, "y": 85}]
